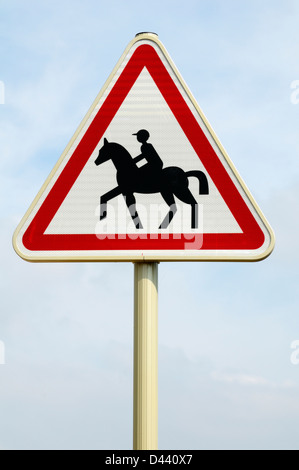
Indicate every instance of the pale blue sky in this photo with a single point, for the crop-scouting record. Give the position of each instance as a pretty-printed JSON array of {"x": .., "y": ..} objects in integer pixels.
[{"x": 225, "y": 330}]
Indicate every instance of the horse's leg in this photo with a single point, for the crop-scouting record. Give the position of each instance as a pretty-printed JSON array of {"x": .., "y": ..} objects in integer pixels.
[
  {"x": 194, "y": 215},
  {"x": 131, "y": 204},
  {"x": 185, "y": 195},
  {"x": 169, "y": 199},
  {"x": 107, "y": 197}
]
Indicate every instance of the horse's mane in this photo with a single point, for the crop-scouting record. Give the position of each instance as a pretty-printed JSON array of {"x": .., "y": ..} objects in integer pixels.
[{"x": 120, "y": 149}]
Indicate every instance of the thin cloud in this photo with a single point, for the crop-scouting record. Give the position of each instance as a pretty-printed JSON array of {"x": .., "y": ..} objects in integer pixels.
[{"x": 250, "y": 380}]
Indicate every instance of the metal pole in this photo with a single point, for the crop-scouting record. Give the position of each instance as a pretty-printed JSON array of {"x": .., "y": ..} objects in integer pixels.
[{"x": 145, "y": 356}]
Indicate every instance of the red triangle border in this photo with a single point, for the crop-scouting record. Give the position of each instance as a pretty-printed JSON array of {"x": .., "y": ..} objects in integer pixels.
[{"x": 35, "y": 239}]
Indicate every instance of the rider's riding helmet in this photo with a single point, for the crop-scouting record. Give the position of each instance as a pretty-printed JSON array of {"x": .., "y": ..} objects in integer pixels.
[{"x": 142, "y": 135}]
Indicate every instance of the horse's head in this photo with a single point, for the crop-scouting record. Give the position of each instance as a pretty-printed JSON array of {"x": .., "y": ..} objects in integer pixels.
[
  {"x": 117, "y": 153},
  {"x": 103, "y": 153}
]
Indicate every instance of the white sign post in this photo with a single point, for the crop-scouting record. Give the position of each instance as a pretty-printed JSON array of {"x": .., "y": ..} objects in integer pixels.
[{"x": 145, "y": 427}]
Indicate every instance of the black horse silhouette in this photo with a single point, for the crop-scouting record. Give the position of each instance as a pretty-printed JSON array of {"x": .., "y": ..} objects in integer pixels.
[{"x": 172, "y": 181}]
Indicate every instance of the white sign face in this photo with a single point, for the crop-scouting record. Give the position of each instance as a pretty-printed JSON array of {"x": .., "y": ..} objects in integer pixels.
[{"x": 144, "y": 179}]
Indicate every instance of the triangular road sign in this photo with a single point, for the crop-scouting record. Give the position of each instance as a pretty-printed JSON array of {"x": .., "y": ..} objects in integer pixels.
[{"x": 144, "y": 179}]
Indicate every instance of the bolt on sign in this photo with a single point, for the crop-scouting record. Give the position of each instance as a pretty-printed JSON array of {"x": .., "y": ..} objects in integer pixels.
[{"x": 144, "y": 178}]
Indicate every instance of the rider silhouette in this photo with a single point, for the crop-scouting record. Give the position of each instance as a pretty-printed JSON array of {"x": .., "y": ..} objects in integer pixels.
[{"x": 152, "y": 165}]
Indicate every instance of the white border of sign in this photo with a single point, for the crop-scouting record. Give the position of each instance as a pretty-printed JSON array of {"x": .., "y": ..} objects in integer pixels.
[{"x": 167, "y": 255}]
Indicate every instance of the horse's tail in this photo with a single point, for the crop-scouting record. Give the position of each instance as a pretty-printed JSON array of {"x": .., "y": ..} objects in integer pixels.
[{"x": 203, "y": 182}]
